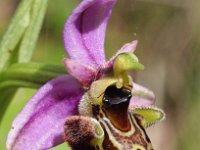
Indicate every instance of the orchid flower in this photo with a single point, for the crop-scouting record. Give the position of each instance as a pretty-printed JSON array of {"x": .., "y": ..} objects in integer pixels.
[{"x": 96, "y": 106}]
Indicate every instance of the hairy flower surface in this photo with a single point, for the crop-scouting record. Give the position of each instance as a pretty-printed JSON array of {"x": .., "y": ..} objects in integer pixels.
[{"x": 97, "y": 104}]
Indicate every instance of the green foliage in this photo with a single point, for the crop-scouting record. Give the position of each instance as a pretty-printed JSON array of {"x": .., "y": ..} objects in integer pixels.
[
  {"x": 28, "y": 43},
  {"x": 31, "y": 75},
  {"x": 14, "y": 33},
  {"x": 22, "y": 32}
]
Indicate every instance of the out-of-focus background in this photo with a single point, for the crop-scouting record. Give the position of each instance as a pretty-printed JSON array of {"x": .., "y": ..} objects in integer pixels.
[{"x": 169, "y": 46}]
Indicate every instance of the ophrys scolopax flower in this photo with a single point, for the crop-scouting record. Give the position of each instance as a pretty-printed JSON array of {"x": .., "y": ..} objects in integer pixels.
[{"x": 97, "y": 106}]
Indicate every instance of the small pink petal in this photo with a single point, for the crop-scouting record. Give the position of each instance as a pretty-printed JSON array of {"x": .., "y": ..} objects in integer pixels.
[
  {"x": 40, "y": 125},
  {"x": 128, "y": 47},
  {"x": 141, "y": 96},
  {"x": 84, "y": 74}
]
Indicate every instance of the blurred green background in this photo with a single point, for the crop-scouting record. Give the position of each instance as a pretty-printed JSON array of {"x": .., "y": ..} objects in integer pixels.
[{"x": 169, "y": 46}]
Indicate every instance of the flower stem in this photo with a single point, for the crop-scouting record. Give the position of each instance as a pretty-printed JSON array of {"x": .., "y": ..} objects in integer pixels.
[{"x": 31, "y": 75}]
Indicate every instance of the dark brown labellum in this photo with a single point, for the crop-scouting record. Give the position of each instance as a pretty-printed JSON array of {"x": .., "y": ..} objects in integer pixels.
[{"x": 115, "y": 105}]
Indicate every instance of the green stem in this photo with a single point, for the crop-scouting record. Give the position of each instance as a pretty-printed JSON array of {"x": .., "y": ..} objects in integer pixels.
[
  {"x": 30, "y": 75},
  {"x": 16, "y": 84}
]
